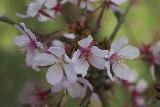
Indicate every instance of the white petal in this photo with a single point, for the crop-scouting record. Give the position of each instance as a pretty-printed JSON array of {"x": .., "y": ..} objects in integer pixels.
[
  {"x": 81, "y": 67},
  {"x": 76, "y": 55},
  {"x": 76, "y": 90},
  {"x": 51, "y": 3},
  {"x": 98, "y": 52},
  {"x": 156, "y": 49},
  {"x": 42, "y": 18},
  {"x": 84, "y": 43},
  {"x": 57, "y": 51},
  {"x": 95, "y": 101},
  {"x": 118, "y": 44},
  {"x": 133, "y": 76},
  {"x": 57, "y": 88},
  {"x": 44, "y": 59},
  {"x": 33, "y": 9},
  {"x": 97, "y": 62},
  {"x": 118, "y": 1},
  {"x": 70, "y": 73},
  {"x": 141, "y": 86},
  {"x": 69, "y": 35},
  {"x": 54, "y": 74},
  {"x": 40, "y": 45},
  {"x": 30, "y": 55},
  {"x": 21, "y": 40},
  {"x": 121, "y": 70},
  {"x": 129, "y": 52},
  {"x": 58, "y": 43},
  {"x": 107, "y": 66}
]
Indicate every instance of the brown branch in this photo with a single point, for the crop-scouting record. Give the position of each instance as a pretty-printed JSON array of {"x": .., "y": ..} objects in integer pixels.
[{"x": 120, "y": 22}]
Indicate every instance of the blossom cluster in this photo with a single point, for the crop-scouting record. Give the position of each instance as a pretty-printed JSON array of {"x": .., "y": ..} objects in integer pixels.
[{"x": 63, "y": 70}]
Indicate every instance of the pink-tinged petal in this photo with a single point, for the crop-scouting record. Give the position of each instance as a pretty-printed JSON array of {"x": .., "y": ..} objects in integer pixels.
[
  {"x": 54, "y": 74},
  {"x": 69, "y": 35},
  {"x": 81, "y": 67},
  {"x": 76, "y": 55},
  {"x": 156, "y": 48},
  {"x": 44, "y": 59},
  {"x": 40, "y": 45},
  {"x": 84, "y": 43},
  {"x": 141, "y": 86},
  {"x": 152, "y": 68},
  {"x": 70, "y": 73},
  {"x": 57, "y": 51},
  {"x": 97, "y": 62},
  {"x": 140, "y": 102},
  {"x": 107, "y": 66},
  {"x": 118, "y": 44},
  {"x": 30, "y": 55},
  {"x": 118, "y": 1},
  {"x": 21, "y": 41},
  {"x": 57, "y": 88},
  {"x": 133, "y": 76},
  {"x": 76, "y": 90},
  {"x": 33, "y": 9},
  {"x": 98, "y": 52},
  {"x": 129, "y": 52},
  {"x": 121, "y": 70}
]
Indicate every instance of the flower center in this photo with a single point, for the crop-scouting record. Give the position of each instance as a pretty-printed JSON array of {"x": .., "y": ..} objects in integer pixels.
[{"x": 85, "y": 53}]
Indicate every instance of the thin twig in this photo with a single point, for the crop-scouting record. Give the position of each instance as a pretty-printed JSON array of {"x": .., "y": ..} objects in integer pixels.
[
  {"x": 120, "y": 22},
  {"x": 7, "y": 20},
  {"x": 99, "y": 19}
]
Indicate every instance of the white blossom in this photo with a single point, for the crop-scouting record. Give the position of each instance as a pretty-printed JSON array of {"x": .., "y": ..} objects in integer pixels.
[
  {"x": 59, "y": 65},
  {"x": 28, "y": 42},
  {"x": 120, "y": 50},
  {"x": 88, "y": 54},
  {"x": 75, "y": 89}
]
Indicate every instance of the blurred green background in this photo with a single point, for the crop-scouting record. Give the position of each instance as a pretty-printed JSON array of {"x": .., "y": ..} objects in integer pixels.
[{"x": 142, "y": 25}]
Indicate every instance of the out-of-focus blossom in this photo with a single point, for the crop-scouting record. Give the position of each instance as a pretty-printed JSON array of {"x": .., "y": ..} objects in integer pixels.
[
  {"x": 28, "y": 42},
  {"x": 76, "y": 89},
  {"x": 84, "y": 4},
  {"x": 69, "y": 35},
  {"x": 151, "y": 54},
  {"x": 136, "y": 89},
  {"x": 59, "y": 63},
  {"x": 88, "y": 54},
  {"x": 120, "y": 50},
  {"x": 58, "y": 43},
  {"x": 95, "y": 101},
  {"x": 33, "y": 95},
  {"x": 43, "y": 9}
]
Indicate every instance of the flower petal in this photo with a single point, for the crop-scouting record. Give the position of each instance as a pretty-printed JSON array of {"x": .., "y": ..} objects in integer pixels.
[
  {"x": 70, "y": 73},
  {"x": 54, "y": 74},
  {"x": 76, "y": 55},
  {"x": 44, "y": 59},
  {"x": 84, "y": 43},
  {"x": 57, "y": 88},
  {"x": 30, "y": 55},
  {"x": 76, "y": 90},
  {"x": 98, "y": 52},
  {"x": 33, "y": 9},
  {"x": 129, "y": 52},
  {"x": 57, "y": 51},
  {"x": 51, "y": 3},
  {"x": 118, "y": 1},
  {"x": 21, "y": 40},
  {"x": 121, "y": 70},
  {"x": 118, "y": 44},
  {"x": 69, "y": 35},
  {"x": 141, "y": 86},
  {"x": 107, "y": 66},
  {"x": 97, "y": 62},
  {"x": 81, "y": 67}
]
